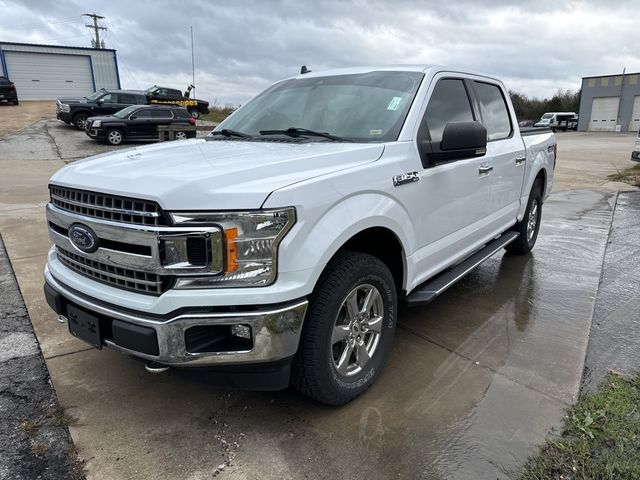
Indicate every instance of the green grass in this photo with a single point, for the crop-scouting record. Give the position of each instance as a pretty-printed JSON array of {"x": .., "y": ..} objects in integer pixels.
[
  {"x": 600, "y": 439},
  {"x": 630, "y": 175},
  {"x": 217, "y": 114}
]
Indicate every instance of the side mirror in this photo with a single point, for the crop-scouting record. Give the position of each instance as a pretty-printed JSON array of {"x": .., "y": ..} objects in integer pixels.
[
  {"x": 100, "y": 102},
  {"x": 133, "y": 117},
  {"x": 459, "y": 140}
]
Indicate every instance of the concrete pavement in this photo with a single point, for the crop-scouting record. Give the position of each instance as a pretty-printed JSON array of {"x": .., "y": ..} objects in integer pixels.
[{"x": 475, "y": 379}]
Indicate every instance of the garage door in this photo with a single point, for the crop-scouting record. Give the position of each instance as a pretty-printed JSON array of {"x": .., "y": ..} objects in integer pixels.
[
  {"x": 634, "y": 124},
  {"x": 604, "y": 114},
  {"x": 46, "y": 76}
]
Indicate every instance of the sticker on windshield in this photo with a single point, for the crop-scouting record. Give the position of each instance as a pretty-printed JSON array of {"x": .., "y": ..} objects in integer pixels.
[
  {"x": 375, "y": 132},
  {"x": 394, "y": 103}
]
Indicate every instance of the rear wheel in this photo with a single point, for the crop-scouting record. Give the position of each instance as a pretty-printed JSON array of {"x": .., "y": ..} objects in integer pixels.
[
  {"x": 529, "y": 226},
  {"x": 194, "y": 113},
  {"x": 114, "y": 137},
  {"x": 79, "y": 120},
  {"x": 348, "y": 331}
]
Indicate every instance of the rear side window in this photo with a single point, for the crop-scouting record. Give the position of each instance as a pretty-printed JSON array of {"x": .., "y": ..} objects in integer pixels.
[
  {"x": 128, "y": 99},
  {"x": 449, "y": 103},
  {"x": 493, "y": 109},
  {"x": 161, "y": 113},
  {"x": 181, "y": 113}
]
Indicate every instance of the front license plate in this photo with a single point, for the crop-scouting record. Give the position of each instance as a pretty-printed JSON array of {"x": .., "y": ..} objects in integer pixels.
[{"x": 84, "y": 326}]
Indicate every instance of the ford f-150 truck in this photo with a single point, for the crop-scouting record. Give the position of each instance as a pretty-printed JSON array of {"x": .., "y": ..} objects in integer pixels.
[{"x": 275, "y": 252}]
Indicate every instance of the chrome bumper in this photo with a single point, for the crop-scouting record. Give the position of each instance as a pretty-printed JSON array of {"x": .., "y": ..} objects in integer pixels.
[{"x": 275, "y": 331}]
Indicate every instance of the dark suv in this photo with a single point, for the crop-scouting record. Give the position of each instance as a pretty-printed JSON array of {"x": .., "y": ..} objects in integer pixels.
[
  {"x": 139, "y": 122},
  {"x": 75, "y": 110},
  {"x": 8, "y": 91}
]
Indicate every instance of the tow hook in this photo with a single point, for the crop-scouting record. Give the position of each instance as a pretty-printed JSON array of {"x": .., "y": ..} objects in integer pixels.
[
  {"x": 62, "y": 319},
  {"x": 155, "y": 367}
]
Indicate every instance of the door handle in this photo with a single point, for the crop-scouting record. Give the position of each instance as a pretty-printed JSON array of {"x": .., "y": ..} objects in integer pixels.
[
  {"x": 484, "y": 169},
  {"x": 520, "y": 159}
]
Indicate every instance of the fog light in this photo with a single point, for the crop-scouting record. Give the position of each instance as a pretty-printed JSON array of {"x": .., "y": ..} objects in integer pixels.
[{"x": 241, "y": 331}]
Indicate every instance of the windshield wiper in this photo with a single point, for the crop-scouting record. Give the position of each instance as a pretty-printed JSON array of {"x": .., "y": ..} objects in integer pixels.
[
  {"x": 230, "y": 133},
  {"x": 303, "y": 132}
]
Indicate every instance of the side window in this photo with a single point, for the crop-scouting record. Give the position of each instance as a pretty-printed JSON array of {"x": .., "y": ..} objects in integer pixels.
[
  {"x": 494, "y": 111},
  {"x": 144, "y": 113},
  {"x": 174, "y": 93},
  {"x": 161, "y": 113},
  {"x": 109, "y": 98},
  {"x": 127, "y": 99},
  {"x": 449, "y": 103}
]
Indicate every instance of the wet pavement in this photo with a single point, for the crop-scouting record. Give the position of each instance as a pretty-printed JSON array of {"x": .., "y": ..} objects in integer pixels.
[
  {"x": 614, "y": 342},
  {"x": 474, "y": 382},
  {"x": 34, "y": 439}
]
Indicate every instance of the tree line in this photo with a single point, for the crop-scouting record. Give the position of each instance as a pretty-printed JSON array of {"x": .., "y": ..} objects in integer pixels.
[{"x": 533, "y": 108}]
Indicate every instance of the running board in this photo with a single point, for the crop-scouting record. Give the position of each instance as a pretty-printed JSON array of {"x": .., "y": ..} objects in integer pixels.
[{"x": 434, "y": 287}]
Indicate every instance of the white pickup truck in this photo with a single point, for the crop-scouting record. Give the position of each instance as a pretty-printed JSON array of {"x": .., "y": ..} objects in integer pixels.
[{"x": 275, "y": 251}]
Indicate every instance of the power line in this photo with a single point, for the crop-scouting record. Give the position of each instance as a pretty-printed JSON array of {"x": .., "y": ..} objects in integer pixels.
[{"x": 96, "y": 43}]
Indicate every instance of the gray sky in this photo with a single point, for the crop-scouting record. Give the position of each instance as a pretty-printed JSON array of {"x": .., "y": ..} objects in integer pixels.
[{"x": 243, "y": 46}]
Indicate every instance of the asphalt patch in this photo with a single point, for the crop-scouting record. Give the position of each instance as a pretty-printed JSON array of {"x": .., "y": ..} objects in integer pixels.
[
  {"x": 34, "y": 437},
  {"x": 614, "y": 342}
]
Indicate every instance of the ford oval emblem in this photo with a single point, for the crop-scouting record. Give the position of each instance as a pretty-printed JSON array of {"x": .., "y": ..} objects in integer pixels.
[{"x": 83, "y": 238}]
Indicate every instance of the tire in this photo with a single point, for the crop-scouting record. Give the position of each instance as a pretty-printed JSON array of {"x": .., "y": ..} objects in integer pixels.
[
  {"x": 16, "y": 102},
  {"x": 79, "y": 120},
  {"x": 194, "y": 113},
  {"x": 114, "y": 136},
  {"x": 181, "y": 136},
  {"x": 338, "y": 359},
  {"x": 529, "y": 226}
]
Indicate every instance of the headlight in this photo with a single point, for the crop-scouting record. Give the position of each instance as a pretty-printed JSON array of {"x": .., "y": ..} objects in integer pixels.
[
  {"x": 249, "y": 246},
  {"x": 65, "y": 107},
  {"x": 96, "y": 123}
]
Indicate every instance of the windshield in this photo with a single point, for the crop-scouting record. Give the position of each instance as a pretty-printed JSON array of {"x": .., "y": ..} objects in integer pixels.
[
  {"x": 547, "y": 115},
  {"x": 96, "y": 95},
  {"x": 125, "y": 112},
  {"x": 152, "y": 90},
  {"x": 368, "y": 107}
]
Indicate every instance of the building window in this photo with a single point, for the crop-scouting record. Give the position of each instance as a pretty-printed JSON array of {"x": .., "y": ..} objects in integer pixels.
[
  {"x": 617, "y": 80},
  {"x": 591, "y": 82},
  {"x": 633, "y": 79},
  {"x": 604, "y": 82}
]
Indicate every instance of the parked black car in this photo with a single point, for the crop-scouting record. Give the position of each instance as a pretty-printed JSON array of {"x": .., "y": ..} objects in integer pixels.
[
  {"x": 173, "y": 96},
  {"x": 8, "y": 92},
  {"x": 75, "y": 110},
  {"x": 138, "y": 122}
]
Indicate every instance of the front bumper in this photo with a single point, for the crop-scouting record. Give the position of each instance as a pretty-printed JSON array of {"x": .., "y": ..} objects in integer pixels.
[
  {"x": 95, "y": 133},
  {"x": 275, "y": 330}
]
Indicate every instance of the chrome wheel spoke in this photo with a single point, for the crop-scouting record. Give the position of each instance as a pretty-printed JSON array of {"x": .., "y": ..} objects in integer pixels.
[
  {"x": 345, "y": 356},
  {"x": 374, "y": 324},
  {"x": 352, "y": 305},
  {"x": 340, "y": 333},
  {"x": 370, "y": 300},
  {"x": 362, "y": 355}
]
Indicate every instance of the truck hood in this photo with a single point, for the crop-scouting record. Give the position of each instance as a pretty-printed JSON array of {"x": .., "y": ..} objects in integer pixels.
[
  {"x": 211, "y": 175},
  {"x": 72, "y": 100}
]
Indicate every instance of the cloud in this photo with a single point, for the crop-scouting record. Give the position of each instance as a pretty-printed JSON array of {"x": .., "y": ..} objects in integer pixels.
[{"x": 242, "y": 47}]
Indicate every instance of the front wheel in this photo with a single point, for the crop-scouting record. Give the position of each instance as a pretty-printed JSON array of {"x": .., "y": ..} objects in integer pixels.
[
  {"x": 529, "y": 226},
  {"x": 79, "y": 120},
  {"x": 114, "y": 137},
  {"x": 348, "y": 332}
]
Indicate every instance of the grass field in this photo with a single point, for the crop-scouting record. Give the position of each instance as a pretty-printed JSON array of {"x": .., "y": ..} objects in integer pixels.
[{"x": 600, "y": 439}]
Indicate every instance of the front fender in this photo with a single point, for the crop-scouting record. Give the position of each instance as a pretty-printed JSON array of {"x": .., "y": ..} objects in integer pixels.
[{"x": 318, "y": 235}]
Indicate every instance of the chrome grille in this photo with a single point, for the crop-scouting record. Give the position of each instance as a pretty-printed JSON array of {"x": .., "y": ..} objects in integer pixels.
[
  {"x": 125, "y": 278},
  {"x": 107, "y": 207}
]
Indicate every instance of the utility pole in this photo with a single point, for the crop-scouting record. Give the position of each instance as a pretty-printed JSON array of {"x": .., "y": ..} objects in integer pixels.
[
  {"x": 96, "y": 43},
  {"x": 193, "y": 66}
]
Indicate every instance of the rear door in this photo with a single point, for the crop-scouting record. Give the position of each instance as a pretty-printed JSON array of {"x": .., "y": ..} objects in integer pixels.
[
  {"x": 160, "y": 116},
  {"x": 506, "y": 150}
]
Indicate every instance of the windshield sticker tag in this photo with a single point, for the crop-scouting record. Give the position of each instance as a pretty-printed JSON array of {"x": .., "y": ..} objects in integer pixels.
[
  {"x": 375, "y": 132},
  {"x": 394, "y": 103}
]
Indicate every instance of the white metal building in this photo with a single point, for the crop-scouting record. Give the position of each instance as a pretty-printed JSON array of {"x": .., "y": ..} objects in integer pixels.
[
  {"x": 610, "y": 103},
  {"x": 45, "y": 72}
]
